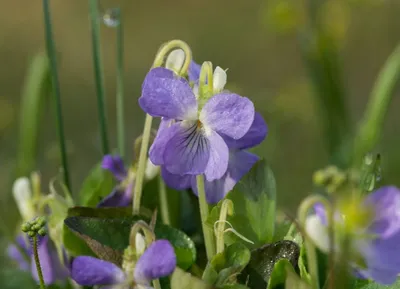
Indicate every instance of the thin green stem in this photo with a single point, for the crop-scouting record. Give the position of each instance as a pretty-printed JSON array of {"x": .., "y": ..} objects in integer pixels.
[
  {"x": 305, "y": 206},
  {"x": 208, "y": 234},
  {"x": 163, "y": 200},
  {"x": 371, "y": 126},
  {"x": 226, "y": 209},
  {"x": 98, "y": 73},
  {"x": 120, "y": 86},
  {"x": 156, "y": 284},
  {"x": 142, "y": 165},
  {"x": 159, "y": 60},
  {"x": 50, "y": 47},
  {"x": 37, "y": 262}
]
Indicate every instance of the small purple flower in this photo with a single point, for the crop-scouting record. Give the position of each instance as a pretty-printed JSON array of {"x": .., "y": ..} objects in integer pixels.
[
  {"x": 159, "y": 260},
  {"x": 121, "y": 196},
  {"x": 194, "y": 143},
  {"x": 240, "y": 163},
  {"x": 52, "y": 268},
  {"x": 379, "y": 243}
]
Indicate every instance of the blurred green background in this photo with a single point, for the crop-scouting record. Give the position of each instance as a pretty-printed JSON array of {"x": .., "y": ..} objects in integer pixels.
[{"x": 258, "y": 40}]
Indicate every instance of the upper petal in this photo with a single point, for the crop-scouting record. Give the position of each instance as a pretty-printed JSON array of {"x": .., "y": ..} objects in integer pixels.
[
  {"x": 187, "y": 151},
  {"x": 317, "y": 232},
  {"x": 90, "y": 271},
  {"x": 115, "y": 165},
  {"x": 254, "y": 136},
  {"x": 219, "y": 79},
  {"x": 23, "y": 198},
  {"x": 165, "y": 94},
  {"x": 229, "y": 114},
  {"x": 176, "y": 182},
  {"x": 219, "y": 157},
  {"x": 386, "y": 204},
  {"x": 157, "y": 261}
]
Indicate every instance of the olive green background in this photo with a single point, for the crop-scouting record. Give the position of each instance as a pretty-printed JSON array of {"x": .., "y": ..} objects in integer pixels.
[{"x": 257, "y": 40}]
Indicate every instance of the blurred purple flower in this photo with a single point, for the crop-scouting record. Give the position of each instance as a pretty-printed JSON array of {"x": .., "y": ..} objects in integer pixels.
[
  {"x": 52, "y": 268},
  {"x": 381, "y": 248},
  {"x": 157, "y": 261},
  {"x": 121, "y": 195},
  {"x": 193, "y": 144},
  {"x": 240, "y": 163}
]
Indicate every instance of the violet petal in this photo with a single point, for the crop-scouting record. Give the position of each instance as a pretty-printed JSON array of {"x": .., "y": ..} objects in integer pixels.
[
  {"x": 159, "y": 260},
  {"x": 165, "y": 94},
  {"x": 176, "y": 182},
  {"x": 89, "y": 271},
  {"x": 218, "y": 157},
  {"x": 115, "y": 165},
  {"x": 228, "y": 114}
]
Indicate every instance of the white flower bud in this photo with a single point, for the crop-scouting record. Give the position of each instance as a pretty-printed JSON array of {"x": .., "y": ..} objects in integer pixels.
[
  {"x": 219, "y": 79},
  {"x": 151, "y": 170},
  {"x": 140, "y": 244},
  {"x": 175, "y": 60},
  {"x": 317, "y": 232},
  {"x": 23, "y": 197}
]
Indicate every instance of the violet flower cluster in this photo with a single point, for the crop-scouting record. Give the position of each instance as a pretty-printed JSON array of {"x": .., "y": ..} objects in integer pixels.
[
  {"x": 196, "y": 138},
  {"x": 378, "y": 242}
]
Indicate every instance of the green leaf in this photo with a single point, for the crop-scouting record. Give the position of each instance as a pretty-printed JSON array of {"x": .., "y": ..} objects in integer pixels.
[
  {"x": 75, "y": 245},
  {"x": 228, "y": 264},
  {"x": 114, "y": 233},
  {"x": 36, "y": 91},
  {"x": 263, "y": 260},
  {"x": 278, "y": 275},
  {"x": 293, "y": 280},
  {"x": 254, "y": 203},
  {"x": 98, "y": 184},
  {"x": 180, "y": 279}
]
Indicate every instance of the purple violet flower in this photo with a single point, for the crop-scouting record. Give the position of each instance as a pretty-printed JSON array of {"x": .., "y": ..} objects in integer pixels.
[
  {"x": 51, "y": 265},
  {"x": 378, "y": 243},
  {"x": 240, "y": 163},
  {"x": 159, "y": 260},
  {"x": 121, "y": 195},
  {"x": 193, "y": 144}
]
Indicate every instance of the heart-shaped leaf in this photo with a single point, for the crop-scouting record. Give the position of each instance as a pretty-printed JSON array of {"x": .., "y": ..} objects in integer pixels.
[
  {"x": 254, "y": 204},
  {"x": 114, "y": 233},
  {"x": 180, "y": 279}
]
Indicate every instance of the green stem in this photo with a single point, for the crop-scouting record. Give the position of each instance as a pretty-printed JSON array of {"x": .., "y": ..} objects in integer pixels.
[
  {"x": 208, "y": 234},
  {"x": 226, "y": 209},
  {"x": 37, "y": 262},
  {"x": 377, "y": 107},
  {"x": 142, "y": 164},
  {"x": 159, "y": 60},
  {"x": 163, "y": 200},
  {"x": 50, "y": 47},
  {"x": 305, "y": 206},
  {"x": 120, "y": 87},
  {"x": 98, "y": 73},
  {"x": 156, "y": 284}
]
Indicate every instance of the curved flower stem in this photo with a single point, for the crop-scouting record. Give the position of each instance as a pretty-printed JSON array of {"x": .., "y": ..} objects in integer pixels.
[
  {"x": 167, "y": 48},
  {"x": 137, "y": 196},
  {"x": 226, "y": 209},
  {"x": 205, "y": 89},
  {"x": 37, "y": 262},
  {"x": 380, "y": 99},
  {"x": 98, "y": 73},
  {"x": 120, "y": 86},
  {"x": 163, "y": 200},
  {"x": 207, "y": 232},
  {"x": 159, "y": 60},
  {"x": 302, "y": 214},
  {"x": 50, "y": 47}
]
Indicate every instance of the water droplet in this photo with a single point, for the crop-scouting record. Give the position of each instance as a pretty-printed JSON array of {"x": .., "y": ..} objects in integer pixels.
[{"x": 111, "y": 17}]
